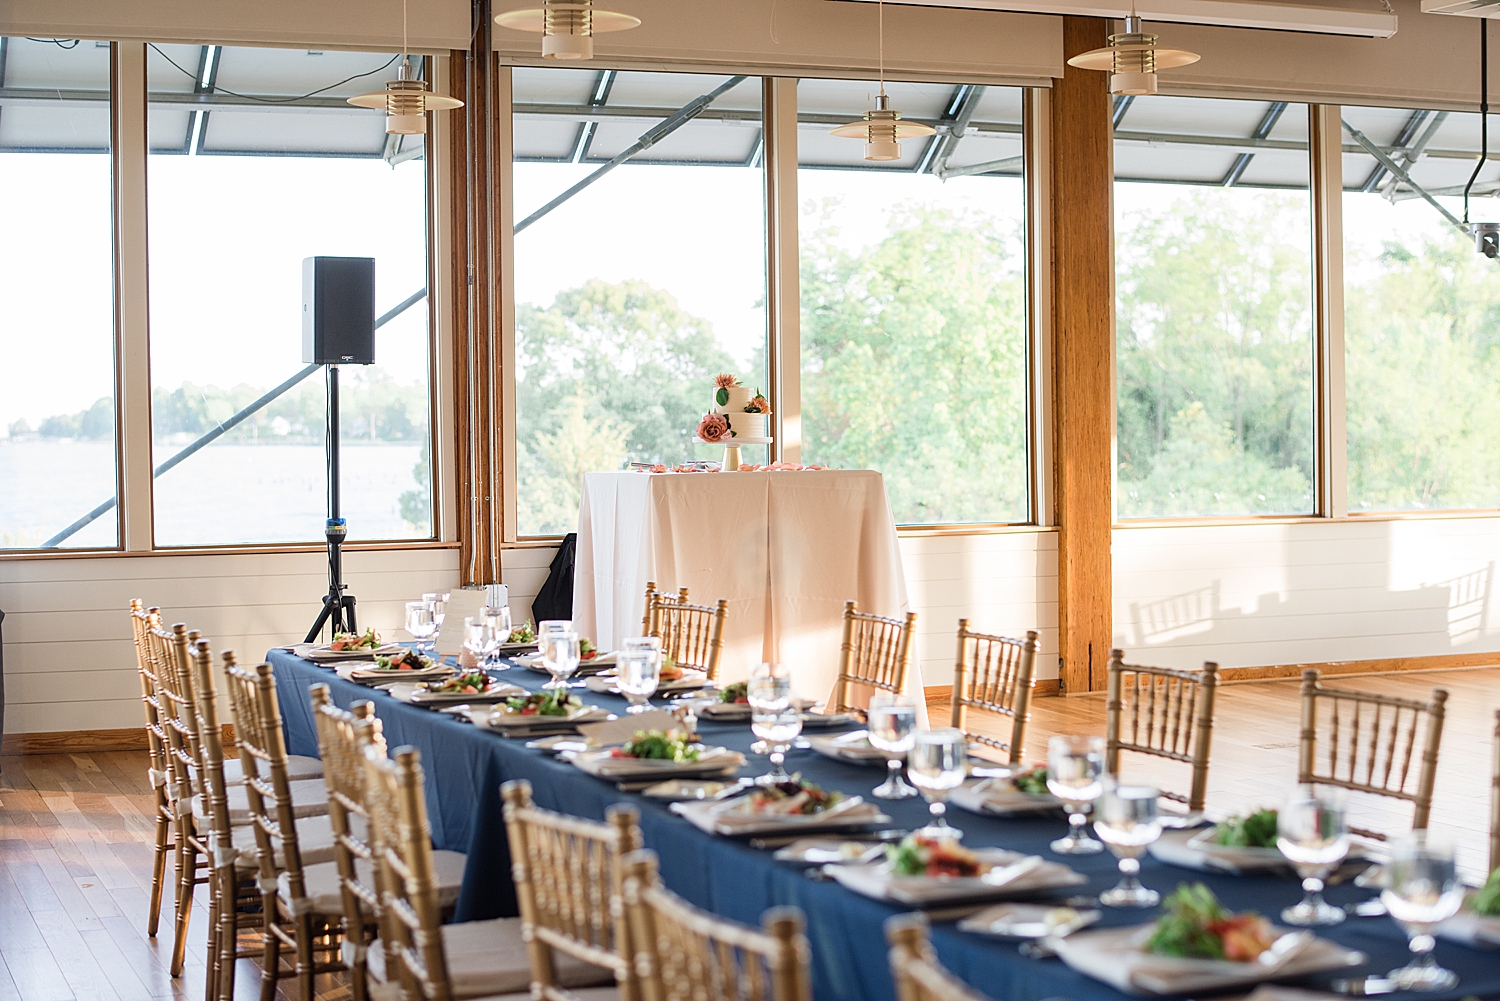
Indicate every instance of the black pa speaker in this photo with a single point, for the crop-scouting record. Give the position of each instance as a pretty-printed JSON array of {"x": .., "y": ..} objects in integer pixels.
[{"x": 338, "y": 310}]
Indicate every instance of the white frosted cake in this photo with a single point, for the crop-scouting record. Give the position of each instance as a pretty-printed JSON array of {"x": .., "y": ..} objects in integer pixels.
[
  {"x": 746, "y": 411},
  {"x": 743, "y": 425},
  {"x": 732, "y": 399}
]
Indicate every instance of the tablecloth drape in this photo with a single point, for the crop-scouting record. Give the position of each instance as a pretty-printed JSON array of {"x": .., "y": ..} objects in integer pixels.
[
  {"x": 785, "y": 549},
  {"x": 465, "y": 767}
]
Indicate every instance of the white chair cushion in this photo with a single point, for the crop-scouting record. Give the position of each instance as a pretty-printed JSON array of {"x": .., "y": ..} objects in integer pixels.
[
  {"x": 490, "y": 957},
  {"x": 314, "y": 840},
  {"x": 309, "y": 799},
  {"x": 322, "y": 882},
  {"x": 297, "y": 767}
]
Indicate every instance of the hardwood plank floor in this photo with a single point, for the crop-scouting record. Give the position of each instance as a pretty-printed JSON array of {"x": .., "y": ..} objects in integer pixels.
[{"x": 76, "y": 834}]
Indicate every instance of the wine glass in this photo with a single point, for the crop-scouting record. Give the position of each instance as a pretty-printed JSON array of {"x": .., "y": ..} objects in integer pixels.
[
  {"x": 892, "y": 722},
  {"x": 1311, "y": 833},
  {"x": 439, "y": 602},
  {"x": 479, "y": 638},
  {"x": 1075, "y": 766},
  {"x": 553, "y": 626},
  {"x": 501, "y": 624},
  {"x": 559, "y": 651},
  {"x": 774, "y": 717},
  {"x": 1126, "y": 820},
  {"x": 938, "y": 762},
  {"x": 1425, "y": 891},
  {"x": 419, "y": 622},
  {"x": 638, "y": 672}
]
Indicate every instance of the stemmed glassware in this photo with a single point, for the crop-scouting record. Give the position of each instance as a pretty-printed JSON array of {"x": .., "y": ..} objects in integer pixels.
[
  {"x": 439, "y": 602},
  {"x": 892, "y": 726},
  {"x": 774, "y": 717},
  {"x": 937, "y": 763},
  {"x": 1312, "y": 834},
  {"x": 1425, "y": 891},
  {"x": 1126, "y": 820},
  {"x": 419, "y": 622},
  {"x": 480, "y": 638},
  {"x": 560, "y": 653},
  {"x": 638, "y": 671},
  {"x": 1075, "y": 767}
]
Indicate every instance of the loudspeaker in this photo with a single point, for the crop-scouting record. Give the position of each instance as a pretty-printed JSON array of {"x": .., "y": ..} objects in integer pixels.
[{"x": 338, "y": 310}]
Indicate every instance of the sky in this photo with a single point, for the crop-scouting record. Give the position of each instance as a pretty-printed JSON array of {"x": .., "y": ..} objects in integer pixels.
[{"x": 228, "y": 235}]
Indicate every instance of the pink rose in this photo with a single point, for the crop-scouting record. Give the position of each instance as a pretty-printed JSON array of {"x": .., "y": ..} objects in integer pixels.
[{"x": 713, "y": 428}]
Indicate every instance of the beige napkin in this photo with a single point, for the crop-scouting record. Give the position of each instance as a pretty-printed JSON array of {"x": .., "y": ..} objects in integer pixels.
[
  {"x": 605, "y": 684},
  {"x": 712, "y": 760},
  {"x": 721, "y": 817},
  {"x": 622, "y": 728},
  {"x": 999, "y": 797},
  {"x": 1113, "y": 955},
  {"x": 1194, "y": 849},
  {"x": 490, "y": 718},
  {"x": 853, "y": 746},
  {"x": 875, "y": 880},
  {"x": 363, "y": 674}
]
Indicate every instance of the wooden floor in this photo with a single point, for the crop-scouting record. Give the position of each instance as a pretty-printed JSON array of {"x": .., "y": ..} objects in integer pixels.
[{"x": 76, "y": 834}]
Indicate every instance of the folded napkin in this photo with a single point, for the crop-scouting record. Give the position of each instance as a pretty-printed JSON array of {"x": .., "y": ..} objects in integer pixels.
[
  {"x": 493, "y": 718},
  {"x": 622, "y": 728},
  {"x": 711, "y": 760},
  {"x": 1468, "y": 928},
  {"x": 724, "y": 817},
  {"x": 853, "y": 746},
  {"x": 999, "y": 797},
  {"x": 1114, "y": 956},
  {"x": 414, "y": 694},
  {"x": 1196, "y": 850},
  {"x": 363, "y": 674},
  {"x": 533, "y": 662},
  {"x": 606, "y": 684},
  {"x": 877, "y": 881}
]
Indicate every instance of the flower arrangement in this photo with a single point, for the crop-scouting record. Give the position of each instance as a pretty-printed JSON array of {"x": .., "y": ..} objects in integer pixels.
[
  {"x": 723, "y": 383},
  {"x": 713, "y": 428},
  {"x": 758, "y": 405}
]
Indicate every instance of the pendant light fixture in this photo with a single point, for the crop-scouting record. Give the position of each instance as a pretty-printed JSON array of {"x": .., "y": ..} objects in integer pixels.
[
  {"x": 405, "y": 99},
  {"x": 568, "y": 29},
  {"x": 882, "y": 129},
  {"x": 1132, "y": 58}
]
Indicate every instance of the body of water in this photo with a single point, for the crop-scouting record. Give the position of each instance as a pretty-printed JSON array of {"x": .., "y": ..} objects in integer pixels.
[{"x": 223, "y": 495}]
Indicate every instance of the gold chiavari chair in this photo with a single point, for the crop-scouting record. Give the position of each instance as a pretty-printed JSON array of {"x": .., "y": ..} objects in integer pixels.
[
  {"x": 875, "y": 653},
  {"x": 1495, "y": 799},
  {"x": 1171, "y": 715},
  {"x": 654, "y": 597},
  {"x": 569, "y": 877},
  {"x": 915, "y": 967},
  {"x": 692, "y": 635},
  {"x": 343, "y": 736},
  {"x": 993, "y": 674},
  {"x": 142, "y": 621},
  {"x": 291, "y": 916},
  {"x": 1369, "y": 743},
  {"x": 685, "y": 954},
  {"x": 432, "y": 961}
]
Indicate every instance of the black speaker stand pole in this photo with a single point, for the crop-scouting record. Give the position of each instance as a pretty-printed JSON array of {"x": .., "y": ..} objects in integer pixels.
[{"x": 338, "y": 605}]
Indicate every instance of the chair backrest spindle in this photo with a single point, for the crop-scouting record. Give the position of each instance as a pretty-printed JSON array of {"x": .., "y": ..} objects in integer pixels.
[{"x": 994, "y": 674}]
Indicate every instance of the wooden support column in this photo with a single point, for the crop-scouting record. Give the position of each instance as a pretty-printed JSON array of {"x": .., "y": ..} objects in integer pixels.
[{"x": 1083, "y": 330}]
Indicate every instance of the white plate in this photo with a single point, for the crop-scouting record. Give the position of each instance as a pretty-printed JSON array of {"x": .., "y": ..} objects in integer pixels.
[
  {"x": 604, "y": 765},
  {"x": 1000, "y": 798},
  {"x": 496, "y": 718},
  {"x": 683, "y": 790},
  {"x": 875, "y": 880},
  {"x": 831, "y": 850},
  {"x": 416, "y": 695},
  {"x": 604, "y": 684},
  {"x": 853, "y": 747},
  {"x": 362, "y": 675},
  {"x": 323, "y": 655},
  {"x": 1028, "y": 921},
  {"x": 725, "y": 818}
]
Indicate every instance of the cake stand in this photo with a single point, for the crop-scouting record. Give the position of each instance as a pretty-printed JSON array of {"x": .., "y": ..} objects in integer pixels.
[{"x": 731, "y": 462}]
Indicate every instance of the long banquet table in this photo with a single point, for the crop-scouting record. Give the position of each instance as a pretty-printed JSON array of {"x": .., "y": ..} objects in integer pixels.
[{"x": 465, "y": 767}]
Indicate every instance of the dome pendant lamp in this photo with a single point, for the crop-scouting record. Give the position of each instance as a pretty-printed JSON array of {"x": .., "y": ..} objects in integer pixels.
[
  {"x": 406, "y": 100},
  {"x": 568, "y": 29},
  {"x": 882, "y": 128},
  {"x": 1132, "y": 58}
]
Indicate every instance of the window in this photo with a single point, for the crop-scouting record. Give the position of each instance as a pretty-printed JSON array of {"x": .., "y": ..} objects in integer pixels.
[
  {"x": 57, "y": 400},
  {"x": 1214, "y": 326},
  {"x": 634, "y": 291},
  {"x": 914, "y": 300},
  {"x": 246, "y": 178},
  {"x": 1420, "y": 312}
]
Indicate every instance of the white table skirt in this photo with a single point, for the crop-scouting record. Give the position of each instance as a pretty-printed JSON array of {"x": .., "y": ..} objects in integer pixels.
[{"x": 785, "y": 549}]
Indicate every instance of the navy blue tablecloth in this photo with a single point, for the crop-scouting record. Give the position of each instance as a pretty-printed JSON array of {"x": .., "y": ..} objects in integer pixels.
[{"x": 465, "y": 767}]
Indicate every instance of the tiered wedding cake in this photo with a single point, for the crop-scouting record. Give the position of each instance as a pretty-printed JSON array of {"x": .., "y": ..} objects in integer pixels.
[{"x": 748, "y": 413}]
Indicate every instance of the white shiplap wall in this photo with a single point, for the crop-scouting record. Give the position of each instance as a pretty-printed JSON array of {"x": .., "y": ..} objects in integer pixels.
[{"x": 1296, "y": 593}]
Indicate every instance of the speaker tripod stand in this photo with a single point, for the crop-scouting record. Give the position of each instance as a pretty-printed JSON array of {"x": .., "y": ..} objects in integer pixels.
[{"x": 338, "y": 603}]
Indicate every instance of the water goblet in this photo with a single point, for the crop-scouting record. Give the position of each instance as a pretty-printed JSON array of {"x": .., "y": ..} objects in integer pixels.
[
  {"x": 892, "y": 726},
  {"x": 638, "y": 672},
  {"x": 1425, "y": 891},
  {"x": 439, "y": 602},
  {"x": 560, "y": 657},
  {"x": 937, "y": 763},
  {"x": 419, "y": 622},
  {"x": 1126, "y": 820},
  {"x": 774, "y": 717},
  {"x": 553, "y": 626},
  {"x": 1311, "y": 833},
  {"x": 501, "y": 624},
  {"x": 479, "y": 637},
  {"x": 1075, "y": 766}
]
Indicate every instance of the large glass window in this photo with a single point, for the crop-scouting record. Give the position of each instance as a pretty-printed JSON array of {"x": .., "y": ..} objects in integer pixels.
[
  {"x": 57, "y": 406},
  {"x": 636, "y": 285},
  {"x": 1420, "y": 316},
  {"x": 914, "y": 300},
  {"x": 256, "y": 163},
  {"x": 1214, "y": 325}
]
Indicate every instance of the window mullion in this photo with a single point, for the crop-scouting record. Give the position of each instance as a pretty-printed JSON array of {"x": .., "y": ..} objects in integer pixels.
[
  {"x": 783, "y": 285},
  {"x": 1331, "y": 442},
  {"x": 132, "y": 330}
]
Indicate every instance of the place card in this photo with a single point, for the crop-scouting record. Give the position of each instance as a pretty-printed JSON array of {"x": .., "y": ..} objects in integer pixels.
[{"x": 465, "y": 602}]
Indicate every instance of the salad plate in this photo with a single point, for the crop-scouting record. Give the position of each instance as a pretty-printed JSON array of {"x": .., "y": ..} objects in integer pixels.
[
  {"x": 1006, "y": 796},
  {"x": 536, "y": 711},
  {"x": 680, "y": 790},
  {"x": 853, "y": 746},
  {"x": 604, "y": 683},
  {"x": 780, "y": 809},
  {"x": 1028, "y": 921},
  {"x": 458, "y": 689},
  {"x": 1478, "y": 922},
  {"x": 831, "y": 850},
  {"x": 327, "y": 655},
  {"x": 921, "y": 872},
  {"x": 656, "y": 752},
  {"x": 365, "y": 675}
]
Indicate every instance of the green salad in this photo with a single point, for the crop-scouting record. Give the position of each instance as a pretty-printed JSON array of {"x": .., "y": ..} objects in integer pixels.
[
  {"x": 1033, "y": 781},
  {"x": 737, "y": 692},
  {"x": 555, "y": 703},
  {"x": 1194, "y": 925},
  {"x": 1258, "y": 830},
  {"x": 523, "y": 633},
  {"x": 658, "y": 745},
  {"x": 1487, "y": 900}
]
